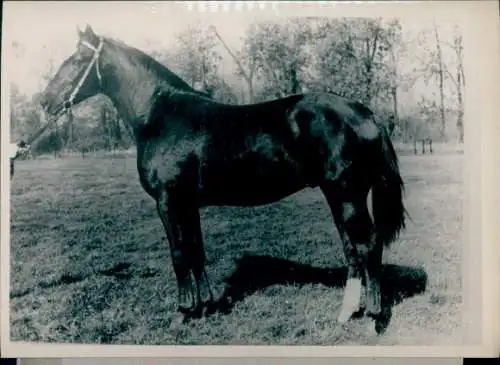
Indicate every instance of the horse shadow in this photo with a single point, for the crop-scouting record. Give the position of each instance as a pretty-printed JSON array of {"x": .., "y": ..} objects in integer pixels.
[{"x": 254, "y": 273}]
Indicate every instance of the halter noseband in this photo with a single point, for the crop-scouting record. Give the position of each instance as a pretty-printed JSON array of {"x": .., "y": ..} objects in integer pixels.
[{"x": 94, "y": 61}]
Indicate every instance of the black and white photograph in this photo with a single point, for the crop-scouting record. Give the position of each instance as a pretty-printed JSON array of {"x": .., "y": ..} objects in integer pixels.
[{"x": 243, "y": 174}]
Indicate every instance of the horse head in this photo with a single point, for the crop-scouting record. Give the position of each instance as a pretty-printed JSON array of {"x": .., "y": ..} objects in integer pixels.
[{"x": 78, "y": 78}]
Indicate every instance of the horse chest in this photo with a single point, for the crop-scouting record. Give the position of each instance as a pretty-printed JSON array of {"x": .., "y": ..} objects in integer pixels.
[{"x": 164, "y": 165}]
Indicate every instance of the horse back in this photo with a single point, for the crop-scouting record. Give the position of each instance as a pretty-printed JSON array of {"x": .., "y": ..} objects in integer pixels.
[{"x": 253, "y": 154}]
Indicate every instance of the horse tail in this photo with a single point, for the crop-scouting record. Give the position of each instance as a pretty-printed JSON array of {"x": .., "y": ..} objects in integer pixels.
[{"x": 389, "y": 213}]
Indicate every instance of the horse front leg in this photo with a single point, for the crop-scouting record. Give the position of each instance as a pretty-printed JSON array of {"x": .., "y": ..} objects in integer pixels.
[
  {"x": 195, "y": 253},
  {"x": 174, "y": 231}
]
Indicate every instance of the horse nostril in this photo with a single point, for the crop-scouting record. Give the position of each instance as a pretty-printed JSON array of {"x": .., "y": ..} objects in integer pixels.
[{"x": 67, "y": 105}]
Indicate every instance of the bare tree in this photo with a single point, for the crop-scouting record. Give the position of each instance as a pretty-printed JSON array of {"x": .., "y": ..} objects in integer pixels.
[
  {"x": 248, "y": 72},
  {"x": 440, "y": 72},
  {"x": 459, "y": 81}
]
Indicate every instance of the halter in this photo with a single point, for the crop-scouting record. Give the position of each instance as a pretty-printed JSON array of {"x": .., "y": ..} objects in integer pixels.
[
  {"x": 94, "y": 61},
  {"x": 67, "y": 104}
]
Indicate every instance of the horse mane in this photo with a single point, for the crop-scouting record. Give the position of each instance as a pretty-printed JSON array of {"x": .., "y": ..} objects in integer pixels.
[
  {"x": 169, "y": 100},
  {"x": 157, "y": 68}
]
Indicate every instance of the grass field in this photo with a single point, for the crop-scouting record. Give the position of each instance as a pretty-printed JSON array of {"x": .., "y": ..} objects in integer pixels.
[{"x": 90, "y": 262}]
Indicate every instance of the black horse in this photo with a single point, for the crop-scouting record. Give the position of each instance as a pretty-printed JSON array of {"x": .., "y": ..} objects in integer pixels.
[{"x": 194, "y": 152}]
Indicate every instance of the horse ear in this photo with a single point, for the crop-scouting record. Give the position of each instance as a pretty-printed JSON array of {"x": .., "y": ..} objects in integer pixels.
[
  {"x": 89, "y": 31},
  {"x": 90, "y": 36},
  {"x": 79, "y": 31}
]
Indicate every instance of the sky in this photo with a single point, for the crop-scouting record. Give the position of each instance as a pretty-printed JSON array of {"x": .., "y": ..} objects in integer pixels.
[{"x": 47, "y": 29}]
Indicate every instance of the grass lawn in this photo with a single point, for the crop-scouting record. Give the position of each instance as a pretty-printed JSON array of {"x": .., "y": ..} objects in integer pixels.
[{"x": 90, "y": 262}]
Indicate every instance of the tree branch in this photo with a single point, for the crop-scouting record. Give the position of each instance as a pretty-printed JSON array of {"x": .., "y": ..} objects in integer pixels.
[
  {"x": 445, "y": 69},
  {"x": 232, "y": 54},
  {"x": 270, "y": 70}
]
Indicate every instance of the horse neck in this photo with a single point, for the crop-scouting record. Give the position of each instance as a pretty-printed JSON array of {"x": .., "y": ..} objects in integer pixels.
[{"x": 130, "y": 85}]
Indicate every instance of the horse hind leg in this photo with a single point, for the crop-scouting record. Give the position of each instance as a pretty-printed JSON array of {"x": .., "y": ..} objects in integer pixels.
[
  {"x": 356, "y": 231},
  {"x": 375, "y": 309}
]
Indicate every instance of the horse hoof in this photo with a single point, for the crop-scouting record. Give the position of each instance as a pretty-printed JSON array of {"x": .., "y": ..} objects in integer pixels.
[
  {"x": 358, "y": 314},
  {"x": 197, "y": 313},
  {"x": 184, "y": 310},
  {"x": 192, "y": 313},
  {"x": 382, "y": 320},
  {"x": 381, "y": 326},
  {"x": 210, "y": 308},
  {"x": 225, "y": 307}
]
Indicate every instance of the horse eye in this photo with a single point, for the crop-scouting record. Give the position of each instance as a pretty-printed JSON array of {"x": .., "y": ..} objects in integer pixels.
[{"x": 78, "y": 55}]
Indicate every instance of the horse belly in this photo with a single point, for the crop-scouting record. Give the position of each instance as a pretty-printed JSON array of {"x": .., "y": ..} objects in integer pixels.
[{"x": 250, "y": 182}]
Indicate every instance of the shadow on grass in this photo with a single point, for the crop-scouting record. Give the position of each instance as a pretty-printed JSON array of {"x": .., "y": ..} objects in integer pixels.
[
  {"x": 121, "y": 270},
  {"x": 254, "y": 273}
]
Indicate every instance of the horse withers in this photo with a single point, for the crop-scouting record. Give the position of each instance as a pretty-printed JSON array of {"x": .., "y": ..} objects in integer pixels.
[{"x": 194, "y": 152}]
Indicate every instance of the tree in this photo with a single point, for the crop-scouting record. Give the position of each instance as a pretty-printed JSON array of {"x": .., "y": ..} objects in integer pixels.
[
  {"x": 25, "y": 114},
  {"x": 439, "y": 71},
  {"x": 246, "y": 65},
  {"x": 358, "y": 58},
  {"x": 195, "y": 58},
  {"x": 277, "y": 54},
  {"x": 437, "y": 68},
  {"x": 459, "y": 81},
  {"x": 396, "y": 49}
]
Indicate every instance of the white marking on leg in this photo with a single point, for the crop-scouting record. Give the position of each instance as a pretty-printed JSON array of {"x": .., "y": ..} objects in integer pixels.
[{"x": 352, "y": 299}]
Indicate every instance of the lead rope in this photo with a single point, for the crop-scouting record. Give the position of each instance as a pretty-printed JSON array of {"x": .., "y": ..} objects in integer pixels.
[{"x": 69, "y": 102}]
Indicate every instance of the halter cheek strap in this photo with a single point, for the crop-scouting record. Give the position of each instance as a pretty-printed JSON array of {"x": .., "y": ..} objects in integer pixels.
[{"x": 94, "y": 61}]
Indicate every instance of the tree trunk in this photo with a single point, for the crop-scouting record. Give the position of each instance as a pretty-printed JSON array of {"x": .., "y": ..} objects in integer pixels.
[
  {"x": 203, "y": 74},
  {"x": 106, "y": 129},
  {"x": 118, "y": 132},
  {"x": 248, "y": 76},
  {"x": 294, "y": 79},
  {"x": 69, "y": 137},
  {"x": 250, "y": 90},
  {"x": 441, "y": 85},
  {"x": 370, "y": 57},
  {"x": 460, "y": 84},
  {"x": 460, "y": 117},
  {"x": 394, "y": 93}
]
